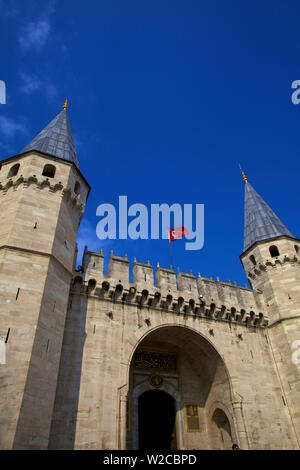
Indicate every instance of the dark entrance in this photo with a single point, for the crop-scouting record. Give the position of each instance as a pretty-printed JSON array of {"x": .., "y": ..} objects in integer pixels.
[{"x": 156, "y": 421}]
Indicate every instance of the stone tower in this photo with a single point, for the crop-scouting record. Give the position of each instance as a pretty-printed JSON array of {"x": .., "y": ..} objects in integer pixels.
[
  {"x": 271, "y": 259},
  {"x": 42, "y": 200},
  {"x": 84, "y": 355}
]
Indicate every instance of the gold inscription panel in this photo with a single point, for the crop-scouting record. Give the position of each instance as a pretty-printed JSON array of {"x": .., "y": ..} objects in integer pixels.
[
  {"x": 152, "y": 360},
  {"x": 192, "y": 418}
]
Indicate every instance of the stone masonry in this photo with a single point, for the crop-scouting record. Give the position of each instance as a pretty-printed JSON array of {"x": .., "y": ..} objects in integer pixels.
[{"x": 83, "y": 348}]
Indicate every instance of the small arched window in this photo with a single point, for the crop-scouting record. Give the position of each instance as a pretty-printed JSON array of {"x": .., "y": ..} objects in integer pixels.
[
  {"x": 212, "y": 308},
  {"x": 49, "y": 171},
  {"x": 220, "y": 431},
  {"x": 274, "y": 251},
  {"x": 76, "y": 188},
  {"x": 13, "y": 170},
  {"x": 297, "y": 248},
  {"x": 77, "y": 280},
  {"x": 91, "y": 284},
  {"x": 253, "y": 260}
]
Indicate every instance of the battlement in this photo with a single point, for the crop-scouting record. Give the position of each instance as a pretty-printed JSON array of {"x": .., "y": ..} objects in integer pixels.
[
  {"x": 181, "y": 292},
  {"x": 166, "y": 279},
  {"x": 118, "y": 268},
  {"x": 187, "y": 283},
  {"x": 92, "y": 262},
  {"x": 142, "y": 274}
]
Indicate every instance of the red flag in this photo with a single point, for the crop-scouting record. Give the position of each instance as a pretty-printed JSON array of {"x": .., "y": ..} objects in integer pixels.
[{"x": 177, "y": 233}]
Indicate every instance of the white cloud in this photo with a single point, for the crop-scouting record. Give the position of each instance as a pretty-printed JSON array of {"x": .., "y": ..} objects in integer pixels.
[
  {"x": 87, "y": 237},
  {"x": 8, "y": 9},
  {"x": 51, "y": 90},
  {"x": 9, "y": 127},
  {"x": 35, "y": 35},
  {"x": 30, "y": 83}
]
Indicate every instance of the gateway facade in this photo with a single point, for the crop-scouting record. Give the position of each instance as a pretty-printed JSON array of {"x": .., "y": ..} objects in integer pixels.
[{"x": 96, "y": 362}]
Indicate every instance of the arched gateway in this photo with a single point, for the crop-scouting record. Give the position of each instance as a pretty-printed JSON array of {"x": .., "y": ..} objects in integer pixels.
[
  {"x": 156, "y": 425},
  {"x": 88, "y": 353},
  {"x": 179, "y": 393}
]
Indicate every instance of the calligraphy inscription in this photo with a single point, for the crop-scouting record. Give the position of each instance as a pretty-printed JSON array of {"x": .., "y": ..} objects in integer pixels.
[
  {"x": 152, "y": 360},
  {"x": 192, "y": 417}
]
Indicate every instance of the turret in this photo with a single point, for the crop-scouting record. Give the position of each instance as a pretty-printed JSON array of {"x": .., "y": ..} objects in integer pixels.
[
  {"x": 42, "y": 201},
  {"x": 271, "y": 259}
]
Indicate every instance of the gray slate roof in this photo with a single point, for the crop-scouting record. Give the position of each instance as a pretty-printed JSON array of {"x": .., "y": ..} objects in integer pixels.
[
  {"x": 260, "y": 222},
  {"x": 56, "y": 139}
]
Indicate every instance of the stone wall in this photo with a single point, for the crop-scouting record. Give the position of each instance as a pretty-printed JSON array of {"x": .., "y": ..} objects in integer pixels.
[
  {"x": 40, "y": 217},
  {"x": 109, "y": 318}
]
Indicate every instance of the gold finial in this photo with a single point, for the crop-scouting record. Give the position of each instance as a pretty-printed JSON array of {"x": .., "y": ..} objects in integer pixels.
[
  {"x": 244, "y": 176},
  {"x": 65, "y": 106}
]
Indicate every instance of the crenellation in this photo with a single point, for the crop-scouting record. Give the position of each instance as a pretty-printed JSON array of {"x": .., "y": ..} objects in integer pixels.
[
  {"x": 118, "y": 268},
  {"x": 145, "y": 294},
  {"x": 142, "y": 274},
  {"x": 166, "y": 279},
  {"x": 187, "y": 283},
  {"x": 204, "y": 297},
  {"x": 92, "y": 263},
  {"x": 209, "y": 289},
  {"x": 85, "y": 347}
]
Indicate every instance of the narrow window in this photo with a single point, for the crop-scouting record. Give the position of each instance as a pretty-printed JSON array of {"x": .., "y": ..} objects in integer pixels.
[
  {"x": 253, "y": 260},
  {"x": 49, "y": 171},
  {"x": 76, "y": 188},
  {"x": 283, "y": 400},
  {"x": 91, "y": 284},
  {"x": 7, "y": 335},
  {"x": 296, "y": 248},
  {"x": 274, "y": 251},
  {"x": 77, "y": 283},
  {"x": 13, "y": 171}
]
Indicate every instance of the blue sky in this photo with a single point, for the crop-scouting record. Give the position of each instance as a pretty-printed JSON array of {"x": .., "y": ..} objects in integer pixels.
[{"x": 166, "y": 99}]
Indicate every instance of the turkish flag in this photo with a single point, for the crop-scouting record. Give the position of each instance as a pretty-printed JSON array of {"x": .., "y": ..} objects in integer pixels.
[{"x": 177, "y": 233}]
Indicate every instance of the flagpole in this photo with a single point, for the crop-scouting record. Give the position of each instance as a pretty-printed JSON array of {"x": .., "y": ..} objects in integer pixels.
[
  {"x": 171, "y": 265},
  {"x": 181, "y": 232}
]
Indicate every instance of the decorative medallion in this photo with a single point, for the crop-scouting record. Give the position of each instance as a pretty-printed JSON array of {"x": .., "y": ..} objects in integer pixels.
[
  {"x": 152, "y": 360},
  {"x": 156, "y": 380}
]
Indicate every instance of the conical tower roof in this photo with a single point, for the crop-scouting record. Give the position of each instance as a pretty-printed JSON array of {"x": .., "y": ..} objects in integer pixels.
[
  {"x": 56, "y": 139},
  {"x": 260, "y": 222}
]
